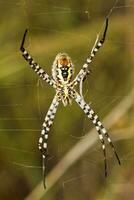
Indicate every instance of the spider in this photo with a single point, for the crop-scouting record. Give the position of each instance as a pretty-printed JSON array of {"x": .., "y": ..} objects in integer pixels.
[{"x": 61, "y": 81}]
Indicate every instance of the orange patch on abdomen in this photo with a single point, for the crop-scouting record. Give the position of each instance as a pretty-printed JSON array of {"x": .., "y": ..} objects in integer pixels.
[{"x": 64, "y": 61}]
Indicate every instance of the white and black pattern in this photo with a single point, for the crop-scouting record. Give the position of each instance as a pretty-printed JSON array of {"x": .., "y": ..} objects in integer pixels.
[
  {"x": 33, "y": 64},
  {"x": 44, "y": 133},
  {"x": 98, "y": 125},
  {"x": 61, "y": 81},
  {"x": 98, "y": 44}
]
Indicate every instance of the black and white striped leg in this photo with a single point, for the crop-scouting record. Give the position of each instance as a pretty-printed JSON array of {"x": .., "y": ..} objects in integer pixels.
[
  {"x": 104, "y": 131},
  {"x": 44, "y": 134},
  {"x": 33, "y": 64},
  {"x": 103, "y": 148},
  {"x": 98, "y": 44},
  {"x": 98, "y": 125}
]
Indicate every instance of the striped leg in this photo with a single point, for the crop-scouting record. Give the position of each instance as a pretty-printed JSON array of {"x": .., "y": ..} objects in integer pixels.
[
  {"x": 98, "y": 125},
  {"x": 103, "y": 148},
  {"x": 33, "y": 64},
  {"x": 98, "y": 44},
  {"x": 44, "y": 134}
]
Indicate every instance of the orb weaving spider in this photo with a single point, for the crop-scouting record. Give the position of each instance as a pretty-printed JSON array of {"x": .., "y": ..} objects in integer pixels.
[{"x": 61, "y": 81}]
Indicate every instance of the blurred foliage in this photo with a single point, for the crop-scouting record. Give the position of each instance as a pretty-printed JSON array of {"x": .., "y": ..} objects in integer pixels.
[{"x": 63, "y": 26}]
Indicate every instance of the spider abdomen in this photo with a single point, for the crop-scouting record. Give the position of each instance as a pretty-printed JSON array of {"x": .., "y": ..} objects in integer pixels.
[{"x": 62, "y": 68}]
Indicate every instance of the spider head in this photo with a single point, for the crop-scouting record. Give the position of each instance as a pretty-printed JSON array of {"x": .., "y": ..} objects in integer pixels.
[{"x": 62, "y": 69}]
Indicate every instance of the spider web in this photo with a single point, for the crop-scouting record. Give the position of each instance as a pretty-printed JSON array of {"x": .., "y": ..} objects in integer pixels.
[{"x": 24, "y": 102}]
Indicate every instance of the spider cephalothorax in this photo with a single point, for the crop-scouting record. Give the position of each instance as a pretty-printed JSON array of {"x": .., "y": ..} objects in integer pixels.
[{"x": 62, "y": 72}]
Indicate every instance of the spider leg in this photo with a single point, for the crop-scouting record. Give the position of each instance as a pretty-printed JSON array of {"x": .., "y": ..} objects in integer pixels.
[
  {"x": 103, "y": 148},
  {"x": 44, "y": 134},
  {"x": 33, "y": 64},
  {"x": 98, "y": 125},
  {"x": 97, "y": 45}
]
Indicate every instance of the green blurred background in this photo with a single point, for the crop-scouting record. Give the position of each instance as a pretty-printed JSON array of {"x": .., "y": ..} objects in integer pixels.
[{"x": 64, "y": 26}]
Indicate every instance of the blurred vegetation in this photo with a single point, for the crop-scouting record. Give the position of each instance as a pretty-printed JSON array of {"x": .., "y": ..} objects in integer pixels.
[{"x": 64, "y": 26}]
